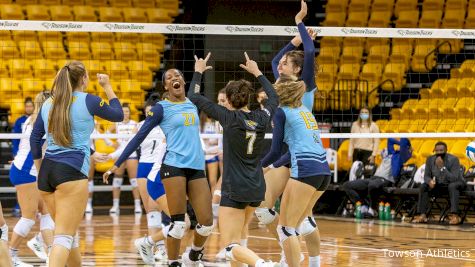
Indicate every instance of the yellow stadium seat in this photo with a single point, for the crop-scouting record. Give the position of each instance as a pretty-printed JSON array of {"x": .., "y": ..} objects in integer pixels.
[
  {"x": 466, "y": 87},
  {"x": 97, "y": 3},
  {"x": 156, "y": 38},
  {"x": 352, "y": 54},
  {"x": 8, "y": 49},
  {"x": 470, "y": 20},
  {"x": 435, "y": 108},
  {"x": 380, "y": 19},
  {"x": 144, "y": 3},
  {"x": 130, "y": 86},
  {"x": 110, "y": 14},
  {"x": 116, "y": 69},
  {"x": 451, "y": 88},
  {"x": 433, "y": 4},
  {"x": 453, "y": 18},
  {"x": 446, "y": 109},
  {"x": 329, "y": 55},
  {"x": 370, "y": 42},
  {"x": 408, "y": 18},
  {"x": 417, "y": 126},
  {"x": 53, "y": 50},
  {"x": 50, "y": 2},
  {"x": 124, "y": 51},
  {"x": 37, "y": 12},
  {"x": 425, "y": 151},
  {"x": 404, "y": 126},
  {"x": 467, "y": 69},
  {"x": 422, "y": 60},
  {"x": 20, "y": 68},
  {"x": 43, "y": 69},
  {"x": 395, "y": 72},
  {"x": 401, "y": 53},
  {"x": 402, "y": 5},
  {"x": 437, "y": 90},
  {"x": 170, "y": 5},
  {"x": 446, "y": 125},
  {"x": 421, "y": 109},
  {"x": 450, "y": 46},
  {"x": 33, "y": 86},
  {"x": 61, "y": 13},
  {"x": 392, "y": 126},
  {"x": 127, "y": 37},
  {"x": 465, "y": 108},
  {"x": 140, "y": 70},
  {"x": 343, "y": 162},
  {"x": 93, "y": 67},
  {"x": 458, "y": 150},
  {"x": 359, "y": 5},
  {"x": 456, "y": 4},
  {"x": 357, "y": 18},
  {"x": 120, "y": 3},
  {"x": 103, "y": 37},
  {"x": 17, "y": 108},
  {"x": 9, "y": 87},
  {"x": 431, "y": 18},
  {"x": 73, "y": 2},
  {"x": 50, "y": 36},
  {"x": 78, "y": 36},
  {"x": 381, "y": 124},
  {"x": 148, "y": 52},
  {"x": 425, "y": 93},
  {"x": 335, "y": 19},
  {"x": 25, "y": 2},
  {"x": 84, "y": 13},
  {"x": 134, "y": 14},
  {"x": 461, "y": 125},
  {"x": 328, "y": 41},
  {"x": 336, "y": 5},
  {"x": 354, "y": 42},
  {"x": 24, "y": 36},
  {"x": 30, "y": 49},
  {"x": 101, "y": 50},
  {"x": 12, "y": 12},
  {"x": 382, "y": 5},
  {"x": 372, "y": 72},
  {"x": 378, "y": 54},
  {"x": 60, "y": 62},
  {"x": 349, "y": 71},
  {"x": 79, "y": 50},
  {"x": 158, "y": 15},
  {"x": 4, "y": 69}
]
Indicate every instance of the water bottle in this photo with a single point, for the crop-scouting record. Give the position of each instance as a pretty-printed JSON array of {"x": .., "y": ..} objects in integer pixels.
[
  {"x": 358, "y": 210},
  {"x": 381, "y": 210},
  {"x": 387, "y": 211}
]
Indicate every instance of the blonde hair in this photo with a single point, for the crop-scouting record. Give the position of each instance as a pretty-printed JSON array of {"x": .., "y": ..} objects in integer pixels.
[
  {"x": 39, "y": 100},
  {"x": 59, "y": 122},
  {"x": 290, "y": 90}
]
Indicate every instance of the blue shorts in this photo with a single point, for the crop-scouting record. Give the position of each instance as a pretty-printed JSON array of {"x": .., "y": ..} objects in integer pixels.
[
  {"x": 213, "y": 159},
  {"x": 155, "y": 189},
  {"x": 144, "y": 169},
  {"x": 19, "y": 177}
]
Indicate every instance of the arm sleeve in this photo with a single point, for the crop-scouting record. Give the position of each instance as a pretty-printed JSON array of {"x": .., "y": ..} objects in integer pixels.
[
  {"x": 213, "y": 110},
  {"x": 308, "y": 71},
  {"x": 152, "y": 120},
  {"x": 36, "y": 137},
  {"x": 273, "y": 99},
  {"x": 352, "y": 141},
  {"x": 98, "y": 107},
  {"x": 277, "y": 139},
  {"x": 453, "y": 170},
  {"x": 391, "y": 143},
  {"x": 428, "y": 171},
  {"x": 276, "y": 59},
  {"x": 375, "y": 140},
  {"x": 283, "y": 160}
]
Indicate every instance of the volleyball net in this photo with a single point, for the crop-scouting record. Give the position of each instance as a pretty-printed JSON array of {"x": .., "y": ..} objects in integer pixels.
[{"x": 418, "y": 83}]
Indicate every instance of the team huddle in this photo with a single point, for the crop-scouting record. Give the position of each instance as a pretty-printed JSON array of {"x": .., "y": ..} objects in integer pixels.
[{"x": 52, "y": 166}]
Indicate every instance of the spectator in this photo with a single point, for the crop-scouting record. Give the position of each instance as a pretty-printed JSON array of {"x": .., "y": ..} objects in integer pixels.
[
  {"x": 386, "y": 174},
  {"x": 364, "y": 149},
  {"x": 442, "y": 174},
  {"x": 17, "y": 127}
]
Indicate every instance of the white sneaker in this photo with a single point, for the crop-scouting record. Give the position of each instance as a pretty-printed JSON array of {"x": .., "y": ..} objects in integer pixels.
[
  {"x": 186, "y": 261},
  {"x": 221, "y": 256},
  {"x": 18, "y": 263},
  {"x": 283, "y": 260},
  {"x": 161, "y": 253},
  {"x": 89, "y": 208},
  {"x": 37, "y": 247},
  {"x": 138, "y": 209},
  {"x": 145, "y": 250},
  {"x": 271, "y": 264},
  {"x": 114, "y": 210}
]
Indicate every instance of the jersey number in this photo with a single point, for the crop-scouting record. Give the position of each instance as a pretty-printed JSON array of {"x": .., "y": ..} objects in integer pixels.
[
  {"x": 310, "y": 121},
  {"x": 250, "y": 144},
  {"x": 189, "y": 118}
]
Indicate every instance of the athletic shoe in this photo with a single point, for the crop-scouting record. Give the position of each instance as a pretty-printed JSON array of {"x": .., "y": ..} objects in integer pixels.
[
  {"x": 186, "y": 261},
  {"x": 114, "y": 210},
  {"x": 145, "y": 250},
  {"x": 221, "y": 256},
  {"x": 138, "y": 209},
  {"x": 37, "y": 247},
  {"x": 18, "y": 263},
  {"x": 161, "y": 253},
  {"x": 89, "y": 208},
  {"x": 283, "y": 260},
  {"x": 271, "y": 264}
]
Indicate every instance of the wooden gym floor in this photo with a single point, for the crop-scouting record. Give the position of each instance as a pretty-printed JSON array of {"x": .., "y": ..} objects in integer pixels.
[{"x": 108, "y": 241}]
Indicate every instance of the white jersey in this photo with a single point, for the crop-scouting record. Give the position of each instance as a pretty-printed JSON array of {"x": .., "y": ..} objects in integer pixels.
[
  {"x": 23, "y": 159},
  {"x": 211, "y": 145},
  {"x": 93, "y": 145},
  {"x": 125, "y": 128},
  {"x": 153, "y": 147}
]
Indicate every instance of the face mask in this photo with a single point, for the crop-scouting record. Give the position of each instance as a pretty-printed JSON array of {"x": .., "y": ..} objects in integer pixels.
[
  {"x": 442, "y": 155},
  {"x": 364, "y": 116}
]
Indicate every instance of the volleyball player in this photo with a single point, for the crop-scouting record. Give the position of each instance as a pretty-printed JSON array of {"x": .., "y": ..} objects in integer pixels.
[
  {"x": 222, "y": 101},
  {"x": 23, "y": 176},
  {"x": 5, "y": 260},
  {"x": 68, "y": 122},
  {"x": 243, "y": 186},
  {"x": 92, "y": 171},
  {"x": 301, "y": 64},
  {"x": 295, "y": 125},
  {"x": 182, "y": 171},
  {"x": 127, "y": 126},
  {"x": 210, "y": 126}
]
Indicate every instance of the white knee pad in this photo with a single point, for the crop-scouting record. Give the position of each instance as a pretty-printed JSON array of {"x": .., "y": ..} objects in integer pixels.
[
  {"x": 90, "y": 186},
  {"x": 217, "y": 192},
  {"x": 265, "y": 215},
  {"x": 154, "y": 219},
  {"x": 133, "y": 182},
  {"x": 165, "y": 231},
  {"x": 4, "y": 233},
  {"x": 23, "y": 227},
  {"x": 307, "y": 226},
  {"x": 204, "y": 230},
  {"x": 75, "y": 241},
  {"x": 285, "y": 232},
  {"x": 46, "y": 222},
  {"x": 117, "y": 182},
  {"x": 64, "y": 241},
  {"x": 228, "y": 251},
  {"x": 177, "y": 229}
]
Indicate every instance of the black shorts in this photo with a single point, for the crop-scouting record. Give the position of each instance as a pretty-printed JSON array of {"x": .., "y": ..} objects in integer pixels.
[
  {"x": 319, "y": 182},
  {"x": 167, "y": 171},
  {"x": 227, "y": 202},
  {"x": 54, "y": 173}
]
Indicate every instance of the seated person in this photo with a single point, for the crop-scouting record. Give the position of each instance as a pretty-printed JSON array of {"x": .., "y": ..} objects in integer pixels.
[
  {"x": 442, "y": 174},
  {"x": 386, "y": 175}
]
